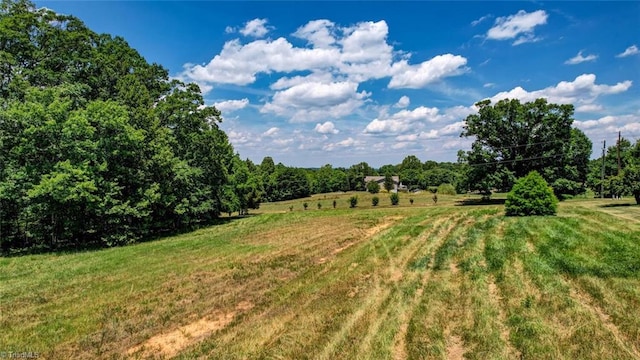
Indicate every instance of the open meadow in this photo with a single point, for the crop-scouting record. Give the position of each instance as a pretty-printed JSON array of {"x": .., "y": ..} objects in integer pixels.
[{"x": 414, "y": 281}]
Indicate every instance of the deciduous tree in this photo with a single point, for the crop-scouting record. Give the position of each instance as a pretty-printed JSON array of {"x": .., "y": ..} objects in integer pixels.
[{"x": 512, "y": 139}]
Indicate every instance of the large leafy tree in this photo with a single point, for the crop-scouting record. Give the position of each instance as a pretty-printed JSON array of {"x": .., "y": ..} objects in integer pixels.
[
  {"x": 356, "y": 174},
  {"x": 512, "y": 139},
  {"x": 411, "y": 173},
  {"x": 96, "y": 145}
]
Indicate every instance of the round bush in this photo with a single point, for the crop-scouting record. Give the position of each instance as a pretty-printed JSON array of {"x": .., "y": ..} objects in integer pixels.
[
  {"x": 375, "y": 200},
  {"x": 353, "y": 201},
  {"x": 446, "y": 189},
  {"x": 395, "y": 198},
  {"x": 373, "y": 187},
  {"x": 531, "y": 195}
]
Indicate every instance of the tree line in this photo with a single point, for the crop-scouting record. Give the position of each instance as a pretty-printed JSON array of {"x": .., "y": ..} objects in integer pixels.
[{"x": 280, "y": 182}]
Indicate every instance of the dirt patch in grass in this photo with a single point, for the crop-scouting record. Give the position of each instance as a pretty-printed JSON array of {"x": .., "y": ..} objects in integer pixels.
[
  {"x": 455, "y": 348},
  {"x": 171, "y": 343},
  {"x": 388, "y": 221},
  {"x": 453, "y": 267}
]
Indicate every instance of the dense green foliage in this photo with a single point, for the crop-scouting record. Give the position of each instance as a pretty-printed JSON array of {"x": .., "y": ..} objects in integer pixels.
[
  {"x": 388, "y": 182},
  {"x": 353, "y": 201},
  {"x": 446, "y": 189},
  {"x": 512, "y": 139},
  {"x": 373, "y": 187},
  {"x": 395, "y": 198},
  {"x": 531, "y": 195},
  {"x": 623, "y": 182},
  {"x": 98, "y": 147},
  {"x": 375, "y": 201}
]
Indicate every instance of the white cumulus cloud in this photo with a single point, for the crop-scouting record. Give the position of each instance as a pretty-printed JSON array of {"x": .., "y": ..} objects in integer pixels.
[
  {"x": 403, "y": 102},
  {"x": 318, "y": 33},
  {"x": 610, "y": 124},
  {"x": 583, "y": 90},
  {"x": 228, "y": 106},
  {"x": 589, "y": 108},
  {"x": 418, "y": 76},
  {"x": 346, "y": 143},
  {"x": 417, "y": 120},
  {"x": 334, "y": 54},
  {"x": 520, "y": 27},
  {"x": 310, "y": 101},
  {"x": 320, "y": 80},
  {"x": 326, "y": 128},
  {"x": 255, "y": 28}
]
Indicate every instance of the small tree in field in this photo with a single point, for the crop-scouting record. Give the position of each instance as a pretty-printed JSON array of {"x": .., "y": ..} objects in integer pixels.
[
  {"x": 334, "y": 204},
  {"x": 305, "y": 205},
  {"x": 531, "y": 195},
  {"x": 353, "y": 201},
  {"x": 319, "y": 206},
  {"x": 388, "y": 182},
  {"x": 373, "y": 187},
  {"x": 395, "y": 198},
  {"x": 375, "y": 200}
]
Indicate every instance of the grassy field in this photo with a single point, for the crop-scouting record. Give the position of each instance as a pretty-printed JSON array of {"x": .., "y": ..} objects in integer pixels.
[{"x": 421, "y": 281}]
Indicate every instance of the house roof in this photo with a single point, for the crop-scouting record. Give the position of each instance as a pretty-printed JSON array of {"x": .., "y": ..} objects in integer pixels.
[{"x": 379, "y": 179}]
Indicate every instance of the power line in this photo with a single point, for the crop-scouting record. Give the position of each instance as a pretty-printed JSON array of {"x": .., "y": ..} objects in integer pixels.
[{"x": 517, "y": 160}]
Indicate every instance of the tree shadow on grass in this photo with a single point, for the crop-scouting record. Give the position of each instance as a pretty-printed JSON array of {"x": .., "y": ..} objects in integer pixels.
[
  {"x": 74, "y": 248},
  {"x": 468, "y": 202},
  {"x": 616, "y": 205}
]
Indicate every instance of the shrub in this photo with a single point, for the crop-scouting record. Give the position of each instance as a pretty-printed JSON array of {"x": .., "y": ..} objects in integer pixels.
[
  {"x": 375, "y": 200},
  {"x": 334, "y": 204},
  {"x": 373, "y": 187},
  {"x": 305, "y": 205},
  {"x": 566, "y": 189},
  {"x": 319, "y": 206},
  {"x": 291, "y": 208},
  {"x": 353, "y": 201},
  {"x": 446, "y": 189},
  {"x": 395, "y": 198},
  {"x": 411, "y": 201},
  {"x": 531, "y": 195}
]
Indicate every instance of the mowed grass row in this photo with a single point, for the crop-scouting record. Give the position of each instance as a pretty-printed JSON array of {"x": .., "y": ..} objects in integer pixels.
[{"x": 407, "y": 282}]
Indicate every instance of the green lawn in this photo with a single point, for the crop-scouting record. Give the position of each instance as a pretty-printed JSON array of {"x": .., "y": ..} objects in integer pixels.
[{"x": 408, "y": 282}]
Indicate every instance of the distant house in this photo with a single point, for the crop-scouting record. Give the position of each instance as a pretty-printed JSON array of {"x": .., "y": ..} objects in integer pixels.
[{"x": 380, "y": 180}]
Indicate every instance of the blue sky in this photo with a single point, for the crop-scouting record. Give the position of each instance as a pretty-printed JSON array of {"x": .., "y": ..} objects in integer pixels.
[{"x": 311, "y": 83}]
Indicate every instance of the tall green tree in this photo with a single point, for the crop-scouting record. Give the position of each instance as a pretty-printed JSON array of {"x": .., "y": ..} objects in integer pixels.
[
  {"x": 356, "y": 174},
  {"x": 388, "y": 182},
  {"x": 512, "y": 139},
  {"x": 246, "y": 187}
]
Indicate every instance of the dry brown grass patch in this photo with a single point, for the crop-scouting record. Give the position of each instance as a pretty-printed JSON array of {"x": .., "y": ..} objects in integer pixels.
[
  {"x": 585, "y": 301},
  {"x": 171, "y": 343}
]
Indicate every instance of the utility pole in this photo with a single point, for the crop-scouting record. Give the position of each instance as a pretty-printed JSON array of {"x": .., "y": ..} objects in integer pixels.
[
  {"x": 604, "y": 147},
  {"x": 619, "y": 166}
]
